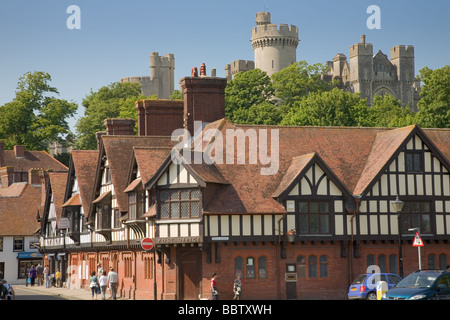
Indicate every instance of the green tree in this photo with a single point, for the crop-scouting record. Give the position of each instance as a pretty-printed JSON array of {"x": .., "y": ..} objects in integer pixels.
[
  {"x": 328, "y": 108},
  {"x": 387, "y": 111},
  {"x": 110, "y": 101},
  {"x": 434, "y": 105},
  {"x": 298, "y": 80},
  {"x": 265, "y": 113},
  {"x": 35, "y": 117},
  {"x": 245, "y": 90}
]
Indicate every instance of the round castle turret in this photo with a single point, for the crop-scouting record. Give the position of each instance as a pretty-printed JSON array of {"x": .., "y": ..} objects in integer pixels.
[{"x": 274, "y": 45}]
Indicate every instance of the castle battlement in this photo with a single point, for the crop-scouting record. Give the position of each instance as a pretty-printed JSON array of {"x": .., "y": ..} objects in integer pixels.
[
  {"x": 274, "y": 30},
  {"x": 402, "y": 51}
]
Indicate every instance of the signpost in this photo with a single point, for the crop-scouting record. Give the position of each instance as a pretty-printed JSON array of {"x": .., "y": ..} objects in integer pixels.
[
  {"x": 418, "y": 243},
  {"x": 147, "y": 244}
]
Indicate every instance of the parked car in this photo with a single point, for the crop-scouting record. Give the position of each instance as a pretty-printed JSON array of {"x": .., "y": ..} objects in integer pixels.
[
  {"x": 365, "y": 285},
  {"x": 422, "y": 285}
]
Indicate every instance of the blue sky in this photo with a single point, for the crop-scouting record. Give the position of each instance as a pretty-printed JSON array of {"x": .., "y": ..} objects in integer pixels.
[{"x": 116, "y": 37}]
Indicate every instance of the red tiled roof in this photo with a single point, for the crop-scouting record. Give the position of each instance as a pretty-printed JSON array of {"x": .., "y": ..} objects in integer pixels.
[
  {"x": 85, "y": 166},
  {"x": 32, "y": 159},
  {"x": 119, "y": 151}
]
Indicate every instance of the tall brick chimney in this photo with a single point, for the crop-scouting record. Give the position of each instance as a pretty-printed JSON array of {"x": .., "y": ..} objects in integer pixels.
[
  {"x": 2, "y": 153},
  {"x": 6, "y": 176},
  {"x": 19, "y": 151},
  {"x": 119, "y": 126},
  {"x": 204, "y": 98},
  {"x": 159, "y": 117}
]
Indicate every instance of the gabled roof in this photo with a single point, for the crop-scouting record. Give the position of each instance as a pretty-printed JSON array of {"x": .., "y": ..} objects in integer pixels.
[
  {"x": 58, "y": 181},
  {"x": 18, "y": 214},
  {"x": 32, "y": 159},
  {"x": 298, "y": 164},
  {"x": 353, "y": 155},
  {"x": 83, "y": 166},
  {"x": 119, "y": 151},
  {"x": 202, "y": 172},
  {"x": 384, "y": 146}
]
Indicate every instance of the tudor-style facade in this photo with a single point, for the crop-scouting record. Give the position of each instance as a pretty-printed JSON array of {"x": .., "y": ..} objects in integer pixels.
[{"x": 334, "y": 187}]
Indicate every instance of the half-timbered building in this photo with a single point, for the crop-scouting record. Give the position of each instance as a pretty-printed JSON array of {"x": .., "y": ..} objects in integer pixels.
[{"x": 298, "y": 212}]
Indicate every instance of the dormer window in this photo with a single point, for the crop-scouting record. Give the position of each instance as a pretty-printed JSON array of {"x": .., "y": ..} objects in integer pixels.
[
  {"x": 136, "y": 203},
  {"x": 179, "y": 204}
]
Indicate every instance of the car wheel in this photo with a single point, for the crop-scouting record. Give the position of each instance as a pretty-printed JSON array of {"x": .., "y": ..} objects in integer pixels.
[{"x": 371, "y": 296}]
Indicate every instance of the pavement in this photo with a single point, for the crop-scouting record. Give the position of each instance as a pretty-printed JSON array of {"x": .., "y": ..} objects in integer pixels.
[{"x": 70, "y": 294}]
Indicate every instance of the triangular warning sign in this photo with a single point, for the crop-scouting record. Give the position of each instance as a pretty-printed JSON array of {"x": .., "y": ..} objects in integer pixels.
[{"x": 417, "y": 241}]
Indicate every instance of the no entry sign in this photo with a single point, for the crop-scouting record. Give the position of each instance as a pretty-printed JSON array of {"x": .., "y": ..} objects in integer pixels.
[{"x": 147, "y": 244}]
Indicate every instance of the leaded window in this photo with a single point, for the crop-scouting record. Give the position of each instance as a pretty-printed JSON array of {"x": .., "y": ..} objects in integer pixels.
[
  {"x": 314, "y": 217},
  {"x": 179, "y": 204},
  {"x": 416, "y": 215}
]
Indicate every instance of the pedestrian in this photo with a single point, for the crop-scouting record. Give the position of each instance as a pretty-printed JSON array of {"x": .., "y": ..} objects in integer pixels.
[
  {"x": 103, "y": 281},
  {"x": 58, "y": 278},
  {"x": 32, "y": 274},
  {"x": 11, "y": 295},
  {"x": 3, "y": 291},
  {"x": 214, "y": 291},
  {"x": 237, "y": 287},
  {"x": 47, "y": 277},
  {"x": 40, "y": 274},
  {"x": 94, "y": 285},
  {"x": 113, "y": 279},
  {"x": 99, "y": 269}
]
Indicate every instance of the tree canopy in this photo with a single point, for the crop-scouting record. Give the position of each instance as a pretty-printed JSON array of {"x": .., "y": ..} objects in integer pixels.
[
  {"x": 35, "y": 117},
  {"x": 112, "y": 101}
]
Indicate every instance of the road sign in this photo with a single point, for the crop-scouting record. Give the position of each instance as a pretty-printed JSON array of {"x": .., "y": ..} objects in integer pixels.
[
  {"x": 417, "y": 241},
  {"x": 147, "y": 244}
]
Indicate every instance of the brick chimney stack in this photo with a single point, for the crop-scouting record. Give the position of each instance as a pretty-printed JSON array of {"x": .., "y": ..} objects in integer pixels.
[
  {"x": 2, "y": 153},
  {"x": 204, "y": 98},
  {"x": 6, "y": 176},
  {"x": 19, "y": 151},
  {"x": 159, "y": 117},
  {"x": 119, "y": 126}
]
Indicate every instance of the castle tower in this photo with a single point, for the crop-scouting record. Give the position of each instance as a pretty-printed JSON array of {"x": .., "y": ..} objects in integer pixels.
[
  {"x": 361, "y": 68},
  {"x": 402, "y": 57},
  {"x": 274, "y": 46},
  {"x": 161, "y": 81}
]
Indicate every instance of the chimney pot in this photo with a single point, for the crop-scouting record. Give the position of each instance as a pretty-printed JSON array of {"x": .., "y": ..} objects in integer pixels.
[{"x": 194, "y": 72}]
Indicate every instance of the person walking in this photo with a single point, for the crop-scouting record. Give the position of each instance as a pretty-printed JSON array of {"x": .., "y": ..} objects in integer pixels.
[
  {"x": 40, "y": 274},
  {"x": 58, "y": 278},
  {"x": 237, "y": 288},
  {"x": 94, "y": 285},
  {"x": 103, "y": 281},
  {"x": 47, "y": 277},
  {"x": 32, "y": 274},
  {"x": 113, "y": 279},
  {"x": 11, "y": 295},
  {"x": 214, "y": 291}
]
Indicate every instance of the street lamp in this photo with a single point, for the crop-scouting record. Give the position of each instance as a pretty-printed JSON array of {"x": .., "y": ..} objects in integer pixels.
[{"x": 398, "y": 206}]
